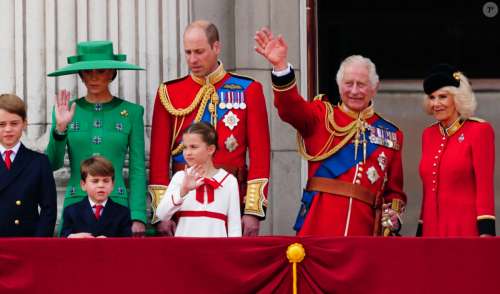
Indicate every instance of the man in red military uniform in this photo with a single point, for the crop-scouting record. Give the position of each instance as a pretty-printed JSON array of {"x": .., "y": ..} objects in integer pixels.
[
  {"x": 354, "y": 155},
  {"x": 233, "y": 104}
]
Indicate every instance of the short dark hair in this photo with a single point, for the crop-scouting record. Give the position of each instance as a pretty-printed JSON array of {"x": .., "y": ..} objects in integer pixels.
[
  {"x": 205, "y": 130},
  {"x": 211, "y": 31},
  {"x": 97, "y": 166},
  {"x": 212, "y": 34},
  {"x": 13, "y": 104}
]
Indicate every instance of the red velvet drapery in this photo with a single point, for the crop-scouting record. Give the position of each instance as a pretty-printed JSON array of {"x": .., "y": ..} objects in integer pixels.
[{"x": 250, "y": 265}]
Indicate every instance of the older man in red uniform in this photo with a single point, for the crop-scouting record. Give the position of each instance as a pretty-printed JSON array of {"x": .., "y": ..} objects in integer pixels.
[
  {"x": 354, "y": 154},
  {"x": 233, "y": 104}
]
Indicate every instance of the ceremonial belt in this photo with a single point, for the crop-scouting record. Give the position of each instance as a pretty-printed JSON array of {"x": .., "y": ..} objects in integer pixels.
[
  {"x": 338, "y": 187},
  {"x": 239, "y": 172}
]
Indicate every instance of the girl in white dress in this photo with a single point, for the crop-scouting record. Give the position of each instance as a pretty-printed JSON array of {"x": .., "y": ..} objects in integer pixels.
[{"x": 205, "y": 199}]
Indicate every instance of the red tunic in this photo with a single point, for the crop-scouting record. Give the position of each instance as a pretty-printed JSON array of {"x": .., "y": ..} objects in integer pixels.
[
  {"x": 335, "y": 215},
  {"x": 251, "y": 134},
  {"x": 457, "y": 177}
]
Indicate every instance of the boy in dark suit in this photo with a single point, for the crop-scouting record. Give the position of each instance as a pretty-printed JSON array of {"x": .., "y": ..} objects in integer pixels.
[
  {"x": 97, "y": 215},
  {"x": 26, "y": 179}
]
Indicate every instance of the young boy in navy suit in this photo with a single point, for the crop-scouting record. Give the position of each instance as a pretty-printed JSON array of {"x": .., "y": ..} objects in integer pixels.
[
  {"x": 26, "y": 179},
  {"x": 97, "y": 215}
]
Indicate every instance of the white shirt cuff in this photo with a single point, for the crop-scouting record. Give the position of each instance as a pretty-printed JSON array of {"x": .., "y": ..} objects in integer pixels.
[{"x": 283, "y": 72}]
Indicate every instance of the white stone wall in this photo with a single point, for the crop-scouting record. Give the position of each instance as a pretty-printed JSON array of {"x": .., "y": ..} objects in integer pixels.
[{"x": 38, "y": 35}]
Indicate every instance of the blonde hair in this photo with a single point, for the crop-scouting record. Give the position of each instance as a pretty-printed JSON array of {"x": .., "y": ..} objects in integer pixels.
[{"x": 463, "y": 97}]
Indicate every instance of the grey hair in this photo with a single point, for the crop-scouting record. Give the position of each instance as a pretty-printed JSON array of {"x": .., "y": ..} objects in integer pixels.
[
  {"x": 372, "y": 70},
  {"x": 464, "y": 98}
]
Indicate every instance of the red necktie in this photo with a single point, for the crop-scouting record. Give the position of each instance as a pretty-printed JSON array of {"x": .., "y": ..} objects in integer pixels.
[
  {"x": 7, "y": 158},
  {"x": 98, "y": 209},
  {"x": 210, "y": 185}
]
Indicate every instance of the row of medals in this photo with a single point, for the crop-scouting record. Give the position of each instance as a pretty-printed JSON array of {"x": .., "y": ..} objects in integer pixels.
[
  {"x": 382, "y": 137},
  {"x": 232, "y": 100}
]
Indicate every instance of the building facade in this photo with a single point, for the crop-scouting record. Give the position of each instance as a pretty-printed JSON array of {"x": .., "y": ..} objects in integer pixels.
[{"x": 37, "y": 36}]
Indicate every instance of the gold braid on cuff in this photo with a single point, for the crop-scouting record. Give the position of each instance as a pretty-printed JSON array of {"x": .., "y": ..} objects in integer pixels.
[
  {"x": 286, "y": 87},
  {"x": 156, "y": 193},
  {"x": 255, "y": 200}
]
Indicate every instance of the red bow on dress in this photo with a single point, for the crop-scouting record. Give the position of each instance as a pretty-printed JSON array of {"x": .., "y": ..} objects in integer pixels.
[{"x": 210, "y": 186}]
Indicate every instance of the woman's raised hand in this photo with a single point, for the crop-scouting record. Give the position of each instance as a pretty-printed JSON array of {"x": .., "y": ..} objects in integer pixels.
[{"x": 64, "y": 113}]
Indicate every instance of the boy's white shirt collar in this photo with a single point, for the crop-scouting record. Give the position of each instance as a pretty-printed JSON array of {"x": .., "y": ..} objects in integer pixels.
[
  {"x": 14, "y": 149},
  {"x": 92, "y": 203}
]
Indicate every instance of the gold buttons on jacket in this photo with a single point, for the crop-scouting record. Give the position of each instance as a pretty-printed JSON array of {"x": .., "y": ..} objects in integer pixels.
[
  {"x": 18, "y": 202},
  {"x": 17, "y": 222},
  {"x": 435, "y": 164}
]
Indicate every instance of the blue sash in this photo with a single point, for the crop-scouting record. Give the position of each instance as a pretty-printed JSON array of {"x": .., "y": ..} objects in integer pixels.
[
  {"x": 237, "y": 84},
  {"x": 338, "y": 164}
]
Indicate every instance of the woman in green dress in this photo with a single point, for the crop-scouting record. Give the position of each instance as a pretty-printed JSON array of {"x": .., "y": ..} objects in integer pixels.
[{"x": 100, "y": 124}]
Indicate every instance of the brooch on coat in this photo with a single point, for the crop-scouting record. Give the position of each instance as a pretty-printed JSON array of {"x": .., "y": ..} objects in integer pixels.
[
  {"x": 231, "y": 120},
  {"x": 124, "y": 113},
  {"x": 231, "y": 143},
  {"x": 372, "y": 174}
]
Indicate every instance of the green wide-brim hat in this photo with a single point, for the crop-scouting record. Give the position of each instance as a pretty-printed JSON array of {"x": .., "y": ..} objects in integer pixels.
[{"x": 94, "y": 55}]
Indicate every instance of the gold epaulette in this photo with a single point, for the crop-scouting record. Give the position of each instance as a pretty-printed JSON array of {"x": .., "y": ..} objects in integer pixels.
[{"x": 476, "y": 119}]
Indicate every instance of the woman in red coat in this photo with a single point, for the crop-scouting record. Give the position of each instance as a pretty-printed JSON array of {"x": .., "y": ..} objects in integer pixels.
[{"x": 457, "y": 163}]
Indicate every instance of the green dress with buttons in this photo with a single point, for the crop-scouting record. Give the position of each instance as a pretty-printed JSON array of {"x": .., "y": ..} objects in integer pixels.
[{"x": 112, "y": 130}]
